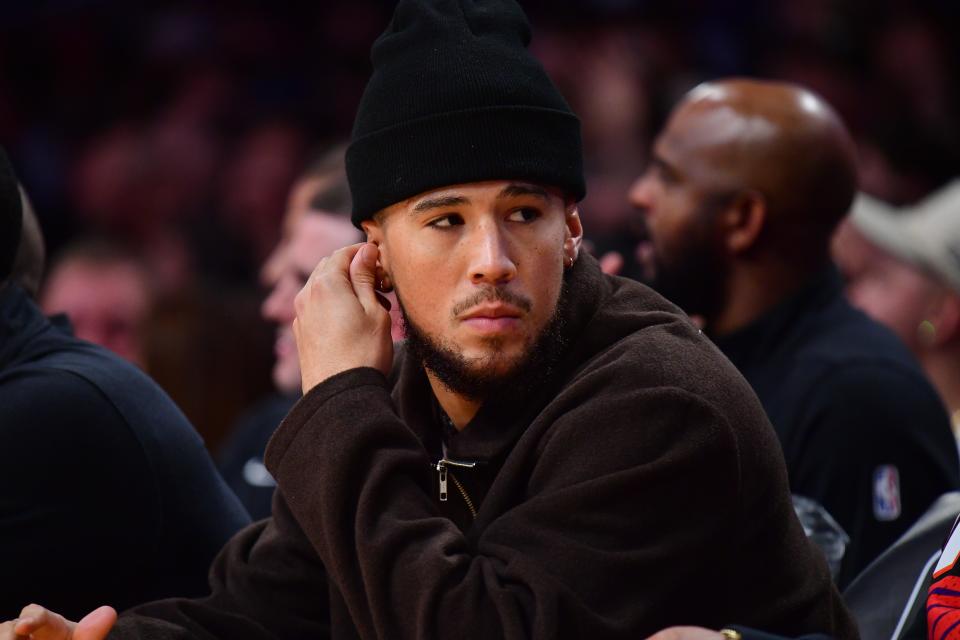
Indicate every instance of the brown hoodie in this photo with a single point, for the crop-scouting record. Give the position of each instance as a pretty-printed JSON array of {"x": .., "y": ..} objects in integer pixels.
[{"x": 639, "y": 487}]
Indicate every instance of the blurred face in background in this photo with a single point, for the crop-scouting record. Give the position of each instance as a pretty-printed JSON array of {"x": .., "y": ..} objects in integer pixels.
[
  {"x": 897, "y": 295},
  {"x": 311, "y": 237},
  {"x": 107, "y": 303},
  {"x": 679, "y": 200}
]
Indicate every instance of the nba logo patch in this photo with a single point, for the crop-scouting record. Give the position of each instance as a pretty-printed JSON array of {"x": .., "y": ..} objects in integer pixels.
[{"x": 886, "y": 493}]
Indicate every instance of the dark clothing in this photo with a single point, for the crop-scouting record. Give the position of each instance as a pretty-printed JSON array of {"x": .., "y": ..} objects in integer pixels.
[
  {"x": 241, "y": 458},
  {"x": 639, "y": 486},
  {"x": 863, "y": 432},
  {"x": 109, "y": 496},
  {"x": 887, "y": 590},
  {"x": 943, "y": 593}
]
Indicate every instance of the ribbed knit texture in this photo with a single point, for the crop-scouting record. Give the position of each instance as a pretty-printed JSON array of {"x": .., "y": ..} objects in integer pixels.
[
  {"x": 11, "y": 215},
  {"x": 455, "y": 97}
]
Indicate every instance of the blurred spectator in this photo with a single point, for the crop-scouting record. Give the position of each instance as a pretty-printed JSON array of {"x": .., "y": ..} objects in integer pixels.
[
  {"x": 912, "y": 282},
  {"x": 95, "y": 449},
  {"x": 192, "y": 352},
  {"x": 261, "y": 167},
  {"x": 747, "y": 182},
  {"x": 105, "y": 291},
  {"x": 316, "y": 223}
]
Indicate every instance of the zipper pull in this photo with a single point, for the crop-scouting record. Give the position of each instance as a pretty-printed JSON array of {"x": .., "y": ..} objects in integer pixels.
[{"x": 442, "y": 470}]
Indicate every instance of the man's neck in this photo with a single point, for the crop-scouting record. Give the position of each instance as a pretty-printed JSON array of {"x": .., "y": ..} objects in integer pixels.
[
  {"x": 752, "y": 290},
  {"x": 459, "y": 409}
]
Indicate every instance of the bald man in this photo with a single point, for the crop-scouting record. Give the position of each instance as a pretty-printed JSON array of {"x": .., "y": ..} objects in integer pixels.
[{"x": 747, "y": 182}]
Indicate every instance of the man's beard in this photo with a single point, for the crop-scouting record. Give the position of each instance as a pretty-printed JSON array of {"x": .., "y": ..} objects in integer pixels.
[
  {"x": 484, "y": 378},
  {"x": 693, "y": 281},
  {"x": 693, "y": 277}
]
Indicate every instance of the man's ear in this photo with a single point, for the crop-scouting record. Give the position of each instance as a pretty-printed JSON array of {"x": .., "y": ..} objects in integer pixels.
[
  {"x": 375, "y": 235},
  {"x": 573, "y": 234},
  {"x": 373, "y": 230},
  {"x": 742, "y": 221}
]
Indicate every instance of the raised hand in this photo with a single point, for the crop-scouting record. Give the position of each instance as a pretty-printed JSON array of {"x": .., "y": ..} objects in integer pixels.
[
  {"x": 341, "y": 323},
  {"x": 38, "y": 623}
]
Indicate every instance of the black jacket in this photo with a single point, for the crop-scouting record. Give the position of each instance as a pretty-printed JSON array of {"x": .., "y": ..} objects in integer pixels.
[
  {"x": 639, "y": 487},
  {"x": 107, "y": 495},
  {"x": 863, "y": 431}
]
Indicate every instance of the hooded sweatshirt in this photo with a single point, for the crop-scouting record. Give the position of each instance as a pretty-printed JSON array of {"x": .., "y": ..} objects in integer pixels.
[{"x": 638, "y": 486}]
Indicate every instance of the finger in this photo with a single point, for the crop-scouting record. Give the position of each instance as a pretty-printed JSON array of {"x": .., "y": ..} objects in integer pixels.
[
  {"x": 332, "y": 270},
  {"x": 42, "y": 624},
  {"x": 96, "y": 624},
  {"x": 363, "y": 276},
  {"x": 687, "y": 633},
  {"x": 6, "y": 630},
  {"x": 338, "y": 262}
]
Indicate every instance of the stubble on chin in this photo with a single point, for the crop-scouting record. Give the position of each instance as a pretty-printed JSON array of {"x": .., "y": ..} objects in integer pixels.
[{"x": 495, "y": 375}]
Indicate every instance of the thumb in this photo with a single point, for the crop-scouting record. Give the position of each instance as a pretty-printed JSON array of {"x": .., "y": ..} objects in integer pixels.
[
  {"x": 363, "y": 276},
  {"x": 96, "y": 624}
]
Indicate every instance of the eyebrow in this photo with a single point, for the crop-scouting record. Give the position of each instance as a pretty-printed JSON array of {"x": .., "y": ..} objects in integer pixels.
[
  {"x": 514, "y": 190},
  {"x": 656, "y": 160},
  {"x": 439, "y": 203},
  {"x": 509, "y": 191}
]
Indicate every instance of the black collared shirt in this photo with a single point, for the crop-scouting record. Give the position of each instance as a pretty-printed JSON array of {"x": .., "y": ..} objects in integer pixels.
[{"x": 863, "y": 431}]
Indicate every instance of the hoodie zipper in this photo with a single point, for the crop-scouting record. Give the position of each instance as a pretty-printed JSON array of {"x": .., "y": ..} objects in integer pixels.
[{"x": 442, "y": 467}]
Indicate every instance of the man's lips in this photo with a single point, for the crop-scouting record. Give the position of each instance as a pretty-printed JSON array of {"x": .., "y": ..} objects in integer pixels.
[
  {"x": 493, "y": 311},
  {"x": 285, "y": 346},
  {"x": 494, "y": 318}
]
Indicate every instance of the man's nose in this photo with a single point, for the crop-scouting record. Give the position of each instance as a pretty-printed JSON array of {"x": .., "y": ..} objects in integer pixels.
[
  {"x": 491, "y": 259},
  {"x": 278, "y": 305},
  {"x": 641, "y": 194}
]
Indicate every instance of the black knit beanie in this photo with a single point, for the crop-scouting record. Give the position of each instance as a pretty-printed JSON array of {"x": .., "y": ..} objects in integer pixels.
[
  {"x": 455, "y": 97},
  {"x": 11, "y": 216}
]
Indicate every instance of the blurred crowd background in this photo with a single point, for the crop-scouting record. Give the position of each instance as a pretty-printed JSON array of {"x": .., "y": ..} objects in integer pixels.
[{"x": 158, "y": 140}]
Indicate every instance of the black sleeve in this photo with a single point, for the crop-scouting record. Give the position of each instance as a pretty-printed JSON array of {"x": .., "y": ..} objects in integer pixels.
[
  {"x": 879, "y": 452},
  {"x": 78, "y": 499},
  {"x": 267, "y": 584}
]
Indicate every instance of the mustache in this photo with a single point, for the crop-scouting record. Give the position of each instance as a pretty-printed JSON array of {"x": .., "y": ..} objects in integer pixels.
[{"x": 493, "y": 294}]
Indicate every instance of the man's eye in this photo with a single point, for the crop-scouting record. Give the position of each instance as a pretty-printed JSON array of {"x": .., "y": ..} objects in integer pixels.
[
  {"x": 524, "y": 215},
  {"x": 665, "y": 175},
  {"x": 446, "y": 221}
]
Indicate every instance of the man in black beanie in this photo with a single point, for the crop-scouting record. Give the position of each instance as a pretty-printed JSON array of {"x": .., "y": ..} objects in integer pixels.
[{"x": 553, "y": 453}]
